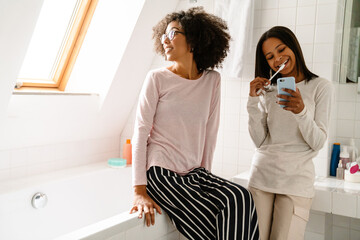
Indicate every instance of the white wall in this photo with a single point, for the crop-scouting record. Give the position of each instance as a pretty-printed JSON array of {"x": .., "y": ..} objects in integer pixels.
[{"x": 41, "y": 133}]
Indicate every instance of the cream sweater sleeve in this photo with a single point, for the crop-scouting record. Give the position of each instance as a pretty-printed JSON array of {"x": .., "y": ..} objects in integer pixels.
[
  {"x": 315, "y": 129},
  {"x": 257, "y": 120}
]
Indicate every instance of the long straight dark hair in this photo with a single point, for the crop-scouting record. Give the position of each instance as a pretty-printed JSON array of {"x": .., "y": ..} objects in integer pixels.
[{"x": 262, "y": 68}]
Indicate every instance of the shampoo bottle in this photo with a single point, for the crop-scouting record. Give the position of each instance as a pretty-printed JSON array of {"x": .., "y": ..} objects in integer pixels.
[
  {"x": 334, "y": 159},
  {"x": 127, "y": 152}
]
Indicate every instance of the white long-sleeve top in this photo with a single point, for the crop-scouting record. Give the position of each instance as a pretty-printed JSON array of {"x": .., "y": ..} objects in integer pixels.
[
  {"x": 287, "y": 142},
  {"x": 176, "y": 124}
]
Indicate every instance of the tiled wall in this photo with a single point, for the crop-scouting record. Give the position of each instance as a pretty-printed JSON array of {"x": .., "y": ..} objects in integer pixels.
[
  {"x": 324, "y": 226},
  {"x": 348, "y": 114},
  {"x": 24, "y": 162}
]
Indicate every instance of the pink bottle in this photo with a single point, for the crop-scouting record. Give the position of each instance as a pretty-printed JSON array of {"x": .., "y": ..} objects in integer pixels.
[{"x": 127, "y": 152}]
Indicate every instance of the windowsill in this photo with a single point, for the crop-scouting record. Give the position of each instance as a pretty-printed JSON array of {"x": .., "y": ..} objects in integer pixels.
[{"x": 51, "y": 92}]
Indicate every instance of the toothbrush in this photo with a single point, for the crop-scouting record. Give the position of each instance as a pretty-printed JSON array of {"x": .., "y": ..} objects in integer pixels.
[{"x": 267, "y": 87}]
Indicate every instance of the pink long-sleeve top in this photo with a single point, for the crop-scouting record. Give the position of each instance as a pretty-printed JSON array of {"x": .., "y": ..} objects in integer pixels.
[{"x": 176, "y": 124}]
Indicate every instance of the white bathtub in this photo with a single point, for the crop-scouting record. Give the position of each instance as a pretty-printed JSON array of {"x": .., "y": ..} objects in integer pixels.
[{"x": 90, "y": 202}]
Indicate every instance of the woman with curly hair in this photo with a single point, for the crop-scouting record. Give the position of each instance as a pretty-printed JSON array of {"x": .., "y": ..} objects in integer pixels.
[{"x": 175, "y": 134}]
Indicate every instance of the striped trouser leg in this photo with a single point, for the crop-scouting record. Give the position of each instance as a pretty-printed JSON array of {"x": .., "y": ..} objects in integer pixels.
[{"x": 203, "y": 206}]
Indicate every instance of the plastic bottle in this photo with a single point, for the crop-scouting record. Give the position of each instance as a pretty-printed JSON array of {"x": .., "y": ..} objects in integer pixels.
[
  {"x": 345, "y": 157},
  {"x": 334, "y": 159},
  {"x": 353, "y": 151},
  {"x": 340, "y": 171},
  {"x": 127, "y": 151}
]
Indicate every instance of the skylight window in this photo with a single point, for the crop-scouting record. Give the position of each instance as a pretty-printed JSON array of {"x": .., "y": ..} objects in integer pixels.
[{"x": 55, "y": 44}]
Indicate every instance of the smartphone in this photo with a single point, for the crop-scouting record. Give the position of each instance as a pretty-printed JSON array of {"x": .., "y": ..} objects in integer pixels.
[{"x": 285, "y": 82}]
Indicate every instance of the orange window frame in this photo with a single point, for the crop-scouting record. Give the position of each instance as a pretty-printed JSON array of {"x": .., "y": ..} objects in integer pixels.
[{"x": 70, "y": 52}]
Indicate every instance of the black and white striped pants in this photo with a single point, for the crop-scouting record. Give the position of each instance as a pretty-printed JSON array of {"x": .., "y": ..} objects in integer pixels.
[{"x": 204, "y": 206}]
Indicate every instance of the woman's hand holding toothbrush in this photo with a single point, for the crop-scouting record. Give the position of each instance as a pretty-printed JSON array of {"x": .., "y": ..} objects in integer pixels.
[
  {"x": 268, "y": 86},
  {"x": 257, "y": 85}
]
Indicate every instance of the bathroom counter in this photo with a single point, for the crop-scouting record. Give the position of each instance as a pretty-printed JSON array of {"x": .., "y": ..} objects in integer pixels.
[{"x": 331, "y": 195}]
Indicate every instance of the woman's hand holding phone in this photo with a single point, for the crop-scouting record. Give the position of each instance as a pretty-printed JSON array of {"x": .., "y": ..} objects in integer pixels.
[{"x": 289, "y": 95}]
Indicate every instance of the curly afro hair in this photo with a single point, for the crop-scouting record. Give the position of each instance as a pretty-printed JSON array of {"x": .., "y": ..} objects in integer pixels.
[{"x": 206, "y": 33}]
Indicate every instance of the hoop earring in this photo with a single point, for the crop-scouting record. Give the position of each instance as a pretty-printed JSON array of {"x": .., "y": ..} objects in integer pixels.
[{"x": 192, "y": 50}]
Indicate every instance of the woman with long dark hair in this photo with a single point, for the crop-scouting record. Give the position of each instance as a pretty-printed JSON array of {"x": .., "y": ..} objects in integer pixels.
[{"x": 287, "y": 138}]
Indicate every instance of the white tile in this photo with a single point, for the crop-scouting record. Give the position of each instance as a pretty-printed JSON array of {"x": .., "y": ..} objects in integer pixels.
[
  {"x": 357, "y": 129},
  {"x": 346, "y": 110},
  {"x": 340, "y": 233},
  {"x": 246, "y": 142},
  {"x": 347, "y": 93},
  {"x": 232, "y": 106},
  {"x": 354, "y": 235},
  {"x": 355, "y": 224},
  {"x": 357, "y": 111},
  {"x": 244, "y": 127},
  {"x": 313, "y": 236},
  {"x": 243, "y": 108},
  {"x": 4, "y": 175},
  {"x": 316, "y": 223},
  {"x": 245, "y": 88},
  {"x": 229, "y": 170},
  {"x": 287, "y": 3},
  {"x": 323, "y": 53},
  {"x": 341, "y": 221},
  {"x": 358, "y": 207},
  {"x": 344, "y": 204},
  {"x": 232, "y": 122},
  {"x": 302, "y": 3},
  {"x": 40, "y": 154},
  {"x": 245, "y": 157},
  {"x": 19, "y": 172},
  {"x": 345, "y": 128},
  {"x": 233, "y": 89},
  {"x": 269, "y": 18},
  {"x": 325, "y": 33},
  {"x": 307, "y": 50},
  {"x": 231, "y": 138},
  {"x": 19, "y": 157},
  {"x": 257, "y": 18},
  {"x": 322, "y": 201},
  {"x": 326, "y": 13},
  {"x": 269, "y": 4},
  {"x": 305, "y": 34},
  {"x": 257, "y": 4},
  {"x": 230, "y": 155},
  {"x": 287, "y": 16},
  {"x": 4, "y": 159},
  {"x": 241, "y": 169},
  {"x": 305, "y": 15},
  {"x": 323, "y": 70}
]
